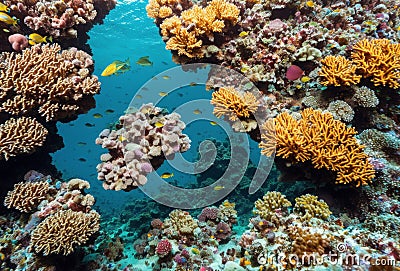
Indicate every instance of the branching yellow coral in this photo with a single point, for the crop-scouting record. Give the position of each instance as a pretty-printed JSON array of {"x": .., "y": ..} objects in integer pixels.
[
  {"x": 308, "y": 206},
  {"x": 338, "y": 71},
  {"x": 20, "y": 136},
  {"x": 318, "y": 137},
  {"x": 233, "y": 104},
  {"x": 185, "y": 43},
  {"x": 267, "y": 207},
  {"x": 160, "y": 8},
  {"x": 25, "y": 197},
  {"x": 62, "y": 232},
  {"x": 379, "y": 59}
]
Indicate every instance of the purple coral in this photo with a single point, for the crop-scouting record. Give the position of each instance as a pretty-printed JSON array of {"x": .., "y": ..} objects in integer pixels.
[{"x": 208, "y": 213}]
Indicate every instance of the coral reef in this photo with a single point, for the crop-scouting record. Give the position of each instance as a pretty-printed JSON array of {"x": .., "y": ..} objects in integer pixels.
[
  {"x": 338, "y": 71},
  {"x": 308, "y": 206},
  {"x": 21, "y": 136},
  {"x": 26, "y": 197},
  {"x": 328, "y": 143},
  {"x": 139, "y": 147},
  {"x": 272, "y": 204}
]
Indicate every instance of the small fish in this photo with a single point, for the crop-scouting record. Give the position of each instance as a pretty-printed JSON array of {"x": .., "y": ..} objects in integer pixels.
[
  {"x": 180, "y": 94},
  {"x": 243, "y": 34},
  {"x": 159, "y": 124},
  {"x": 167, "y": 175},
  {"x": 219, "y": 187},
  {"x": 89, "y": 124},
  {"x": 212, "y": 237},
  {"x": 260, "y": 223},
  {"x": 192, "y": 84},
  {"x": 109, "y": 111},
  {"x": 310, "y": 4},
  {"x": 6, "y": 30},
  {"x": 166, "y": 77},
  {"x": 305, "y": 79},
  {"x": 81, "y": 143},
  {"x": 139, "y": 96},
  {"x": 144, "y": 61},
  {"x": 5, "y": 18},
  {"x": 82, "y": 159},
  {"x": 213, "y": 123},
  {"x": 35, "y": 38},
  {"x": 162, "y": 93},
  {"x": 117, "y": 67},
  {"x": 196, "y": 111},
  {"x": 97, "y": 115},
  {"x": 4, "y": 8},
  {"x": 246, "y": 253},
  {"x": 149, "y": 235},
  {"x": 195, "y": 251},
  {"x": 122, "y": 138},
  {"x": 163, "y": 62}
]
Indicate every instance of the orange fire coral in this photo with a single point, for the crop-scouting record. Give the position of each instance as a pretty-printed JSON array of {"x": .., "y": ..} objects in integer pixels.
[
  {"x": 20, "y": 136},
  {"x": 47, "y": 80},
  {"x": 233, "y": 104},
  {"x": 378, "y": 59},
  {"x": 318, "y": 137},
  {"x": 160, "y": 8},
  {"x": 338, "y": 71}
]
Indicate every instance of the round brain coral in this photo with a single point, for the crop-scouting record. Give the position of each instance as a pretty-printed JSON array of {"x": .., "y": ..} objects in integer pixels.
[{"x": 62, "y": 232}]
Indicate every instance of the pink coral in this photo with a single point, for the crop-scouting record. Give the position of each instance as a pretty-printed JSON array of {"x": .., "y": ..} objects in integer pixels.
[
  {"x": 164, "y": 247},
  {"x": 208, "y": 213},
  {"x": 18, "y": 42}
]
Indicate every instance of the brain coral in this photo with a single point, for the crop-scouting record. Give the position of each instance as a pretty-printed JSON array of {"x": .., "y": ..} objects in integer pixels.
[
  {"x": 318, "y": 137},
  {"x": 20, "y": 136},
  {"x": 25, "y": 197},
  {"x": 46, "y": 80},
  {"x": 63, "y": 231}
]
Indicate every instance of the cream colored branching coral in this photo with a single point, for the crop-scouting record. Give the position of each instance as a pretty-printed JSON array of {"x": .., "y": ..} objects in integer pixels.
[
  {"x": 62, "y": 232},
  {"x": 308, "y": 206},
  {"x": 267, "y": 207},
  {"x": 20, "y": 136},
  {"x": 318, "y": 137},
  {"x": 338, "y": 71},
  {"x": 232, "y": 104},
  {"x": 25, "y": 197},
  {"x": 378, "y": 59},
  {"x": 180, "y": 222},
  {"x": 46, "y": 80}
]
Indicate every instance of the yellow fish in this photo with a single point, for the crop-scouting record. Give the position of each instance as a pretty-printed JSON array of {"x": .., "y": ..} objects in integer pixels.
[
  {"x": 144, "y": 61},
  {"x": 159, "y": 124},
  {"x": 167, "y": 175},
  {"x": 243, "y": 34},
  {"x": 5, "y": 18},
  {"x": 213, "y": 123},
  {"x": 35, "y": 38},
  {"x": 192, "y": 84},
  {"x": 219, "y": 187},
  {"x": 310, "y": 4},
  {"x": 163, "y": 94},
  {"x": 97, "y": 115},
  {"x": 197, "y": 111},
  {"x": 117, "y": 67},
  {"x": 122, "y": 138},
  {"x": 305, "y": 79},
  {"x": 4, "y": 8},
  {"x": 166, "y": 77}
]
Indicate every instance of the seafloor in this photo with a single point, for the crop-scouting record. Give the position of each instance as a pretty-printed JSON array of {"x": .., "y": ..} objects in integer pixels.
[{"x": 199, "y": 135}]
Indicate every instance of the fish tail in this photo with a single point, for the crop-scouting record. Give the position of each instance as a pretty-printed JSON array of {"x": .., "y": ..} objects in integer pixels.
[{"x": 50, "y": 39}]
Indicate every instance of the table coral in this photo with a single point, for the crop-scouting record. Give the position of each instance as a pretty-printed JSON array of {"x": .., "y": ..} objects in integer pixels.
[
  {"x": 26, "y": 197},
  {"x": 139, "y": 147},
  {"x": 338, "y": 71},
  {"x": 308, "y": 206},
  {"x": 328, "y": 143},
  {"x": 378, "y": 59},
  {"x": 63, "y": 231},
  {"x": 45, "y": 80},
  {"x": 21, "y": 136}
]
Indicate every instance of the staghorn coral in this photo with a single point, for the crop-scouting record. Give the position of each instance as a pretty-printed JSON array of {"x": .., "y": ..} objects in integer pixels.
[
  {"x": 180, "y": 222},
  {"x": 62, "y": 232},
  {"x": 378, "y": 59},
  {"x": 46, "y": 80},
  {"x": 138, "y": 146},
  {"x": 232, "y": 104},
  {"x": 338, "y": 71},
  {"x": 267, "y": 207},
  {"x": 26, "y": 197},
  {"x": 20, "y": 136},
  {"x": 308, "y": 206},
  {"x": 328, "y": 143}
]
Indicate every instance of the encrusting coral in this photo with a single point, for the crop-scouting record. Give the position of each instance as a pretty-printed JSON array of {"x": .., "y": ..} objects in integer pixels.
[
  {"x": 26, "y": 197},
  {"x": 338, "y": 71},
  {"x": 318, "y": 137},
  {"x": 46, "y": 80},
  {"x": 308, "y": 206},
  {"x": 63, "y": 231},
  {"x": 20, "y": 136},
  {"x": 378, "y": 59}
]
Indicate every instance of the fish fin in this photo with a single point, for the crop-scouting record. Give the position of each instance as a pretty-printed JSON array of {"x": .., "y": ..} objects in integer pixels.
[{"x": 31, "y": 42}]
